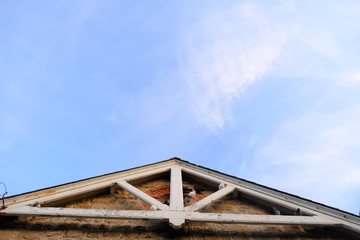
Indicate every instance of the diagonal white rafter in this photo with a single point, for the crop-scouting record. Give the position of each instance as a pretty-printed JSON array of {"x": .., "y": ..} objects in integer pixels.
[
  {"x": 209, "y": 199},
  {"x": 140, "y": 194}
]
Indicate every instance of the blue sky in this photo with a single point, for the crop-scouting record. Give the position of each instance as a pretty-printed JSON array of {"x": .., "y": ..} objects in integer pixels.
[{"x": 263, "y": 90}]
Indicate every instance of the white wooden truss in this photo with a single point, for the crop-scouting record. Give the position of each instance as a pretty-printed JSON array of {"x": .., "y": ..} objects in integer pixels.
[{"x": 314, "y": 214}]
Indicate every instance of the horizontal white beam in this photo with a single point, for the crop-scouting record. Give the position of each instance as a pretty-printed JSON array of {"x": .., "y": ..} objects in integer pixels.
[
  {"x": 261, "y": 219},
  {"x": 84, "y": 213},
  {"x": 143, "y": 196},
  {"x": 209, "y": 199},
  {"x": 164, "y": 215}
]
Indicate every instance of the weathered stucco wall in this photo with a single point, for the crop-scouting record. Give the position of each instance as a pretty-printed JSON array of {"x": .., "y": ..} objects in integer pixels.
[{"x": 80, "y": 228}]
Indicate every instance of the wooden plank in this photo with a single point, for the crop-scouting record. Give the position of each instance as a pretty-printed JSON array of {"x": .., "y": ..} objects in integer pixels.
[
  {"x": 176, "y": 189},
  {"x": 261, "y": 219},
  {"x": 85, "y": 213},
  {"x": 143, "y": 196},
  {"x": 211, "y": 198},
  {"x": 164, "y": 215},
  {"x": 176, "y": 197}
]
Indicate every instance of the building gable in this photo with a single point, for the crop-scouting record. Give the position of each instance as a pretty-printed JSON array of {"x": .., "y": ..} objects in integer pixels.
[{"x": 155, "y": 198}]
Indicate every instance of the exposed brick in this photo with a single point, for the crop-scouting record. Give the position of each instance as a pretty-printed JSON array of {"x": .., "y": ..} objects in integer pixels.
[
  {"x": 94, "y": 234},
  {"x": 111, "y": 235},
  {"x": 129, "y": 235},
  {"x": 73, "y": 233},
  {"x": 53, "y": 234},
  {"x": 8, "y": 234}
]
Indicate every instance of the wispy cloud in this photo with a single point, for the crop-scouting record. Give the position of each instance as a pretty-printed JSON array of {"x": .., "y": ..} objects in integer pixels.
[
  {"x": 322, "y": 46},
  {"x": 227, "y": 52},
  {"x": 316, "y": 156},
  {"x": 230, "y": 49}
]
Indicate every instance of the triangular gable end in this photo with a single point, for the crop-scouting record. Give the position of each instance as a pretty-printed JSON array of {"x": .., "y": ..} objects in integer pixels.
[{"x": 176, "y": 211}]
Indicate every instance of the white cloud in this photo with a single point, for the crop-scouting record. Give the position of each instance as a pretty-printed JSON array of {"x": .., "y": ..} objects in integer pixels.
[
  {"x": 226, "y": 53},
  {"x": 231, "y": 49}
]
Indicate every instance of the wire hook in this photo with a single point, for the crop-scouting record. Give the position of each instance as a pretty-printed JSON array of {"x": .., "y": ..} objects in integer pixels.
[{"x": 3, "y": 196}]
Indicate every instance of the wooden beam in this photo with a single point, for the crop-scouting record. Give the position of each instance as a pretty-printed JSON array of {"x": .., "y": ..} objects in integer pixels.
[
  {"x": 261, "y": 219},
  {"x": 176, "y": 197},
  {"x": 176, "y": 189},
  {"x": 209, "y": 199},
  {"x": 164, "y": 215},
  {"x": 143, "y": 196},
  {"x": 85, "y": 213}
]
